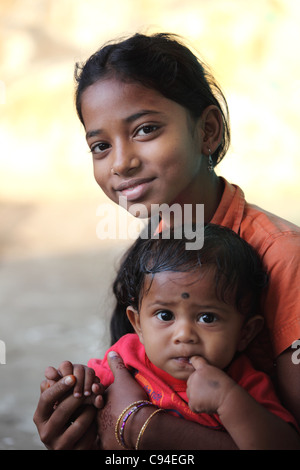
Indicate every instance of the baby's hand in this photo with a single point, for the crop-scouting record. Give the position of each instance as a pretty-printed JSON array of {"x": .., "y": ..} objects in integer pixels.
[
  {"x": 207, "y": 386},
  {"x": 87, "y": 384}
]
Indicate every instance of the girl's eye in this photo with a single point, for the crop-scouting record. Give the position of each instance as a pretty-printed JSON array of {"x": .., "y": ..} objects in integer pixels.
[
  {"x": 99, "y": 148},
  {"x": 146, "y": 130},
  {"x": 207, "y": 318},
  {"x": 165, "y": 315}
]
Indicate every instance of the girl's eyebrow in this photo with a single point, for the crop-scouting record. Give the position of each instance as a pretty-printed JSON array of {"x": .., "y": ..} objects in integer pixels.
[
  {"x": 94, "y": 133},
  {"x": 141, "y": 113},
  {"x": 130, "y": 119}
]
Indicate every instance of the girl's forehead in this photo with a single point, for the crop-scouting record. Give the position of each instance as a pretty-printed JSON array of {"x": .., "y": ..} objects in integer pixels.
[
  {"x": 110, "y": 88},
  {"x": 110, "y": 97}
]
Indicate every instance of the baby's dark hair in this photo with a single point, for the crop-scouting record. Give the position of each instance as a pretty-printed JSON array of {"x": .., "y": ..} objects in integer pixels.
[
  {"x": 163, "y": 63},
  {"x": 239, "y": 276}
]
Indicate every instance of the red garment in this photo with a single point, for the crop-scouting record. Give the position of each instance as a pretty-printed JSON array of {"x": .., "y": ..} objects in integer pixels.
[{"x": 170, "y": 394}]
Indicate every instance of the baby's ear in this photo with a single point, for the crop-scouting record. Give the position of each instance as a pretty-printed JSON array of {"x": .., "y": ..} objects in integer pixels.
[
  {"x": 134, "y": 318},
  {"x": 251, "y": 328}
]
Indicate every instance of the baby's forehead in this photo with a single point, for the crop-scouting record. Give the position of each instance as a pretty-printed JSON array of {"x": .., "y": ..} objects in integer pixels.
[
  {"x": 183, "y": 281},
  {"x": 180, "y": 277},
  {"x": 199, "y": 284}
]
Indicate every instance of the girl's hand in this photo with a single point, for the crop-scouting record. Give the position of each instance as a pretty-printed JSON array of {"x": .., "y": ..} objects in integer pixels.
[
  {"x": 62, "y": 420},
  {"x": 87, "y": 384},
  {"x": 121, "y": 393},
  {"x": 207, "y": 387}
]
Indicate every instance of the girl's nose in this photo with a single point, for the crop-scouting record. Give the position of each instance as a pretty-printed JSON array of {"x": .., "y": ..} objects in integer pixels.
[
  {"x": 125, "y": 162},
  {"x": 185, "y": 333}
]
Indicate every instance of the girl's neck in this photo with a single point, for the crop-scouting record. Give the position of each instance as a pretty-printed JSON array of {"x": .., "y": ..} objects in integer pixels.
[
  {"x": 215, "y": 190},
  {"x": 208, "y": 192}
]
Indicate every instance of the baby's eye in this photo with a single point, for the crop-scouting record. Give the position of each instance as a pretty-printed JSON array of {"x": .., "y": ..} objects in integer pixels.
[
  {"x": 165, "y": 315},
  {"x": 207, "y": 318}
]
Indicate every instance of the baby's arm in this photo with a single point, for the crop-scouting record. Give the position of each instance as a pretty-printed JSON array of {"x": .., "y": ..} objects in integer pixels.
[
  {"x": 87, "y": 384},
  {"x": 251, "y": 426}
]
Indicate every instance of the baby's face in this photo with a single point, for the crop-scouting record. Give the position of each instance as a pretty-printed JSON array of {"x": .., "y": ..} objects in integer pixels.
[{"x": 180, "y": 317}]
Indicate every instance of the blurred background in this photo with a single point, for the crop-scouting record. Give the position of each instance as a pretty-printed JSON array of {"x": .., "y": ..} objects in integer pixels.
[{"x": 55, "y": 273}]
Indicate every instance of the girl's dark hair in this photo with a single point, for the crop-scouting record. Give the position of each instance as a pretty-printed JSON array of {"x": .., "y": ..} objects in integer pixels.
[
  {"x": 163, "y": 63},
  {"x": 239, "y": 277}
]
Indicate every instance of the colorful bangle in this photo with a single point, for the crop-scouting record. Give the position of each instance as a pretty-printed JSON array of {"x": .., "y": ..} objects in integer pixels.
[
  {"x": 122, "y": 427},
  {"x": 143, "y": 428},
  {"x": 129, "y": 410}
]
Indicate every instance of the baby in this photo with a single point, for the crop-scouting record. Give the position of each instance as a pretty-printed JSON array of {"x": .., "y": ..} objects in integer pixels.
[{"x": 193, "y": 312}]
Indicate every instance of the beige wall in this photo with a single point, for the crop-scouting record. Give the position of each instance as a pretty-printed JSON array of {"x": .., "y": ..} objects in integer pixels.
[
  {"x": 251, "y": 46},
  {"x": 55, "y": 274}
]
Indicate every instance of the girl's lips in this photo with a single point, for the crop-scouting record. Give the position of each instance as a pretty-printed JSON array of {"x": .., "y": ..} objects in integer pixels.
[{"x": 134, "y": 189}]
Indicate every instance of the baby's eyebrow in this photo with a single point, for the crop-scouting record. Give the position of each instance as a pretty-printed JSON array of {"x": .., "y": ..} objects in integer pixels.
[{"x": 162, "y": 303}]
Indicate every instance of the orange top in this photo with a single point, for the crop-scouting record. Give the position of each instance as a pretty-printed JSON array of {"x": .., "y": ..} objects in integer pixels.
[{"x": 278, "y": 244}]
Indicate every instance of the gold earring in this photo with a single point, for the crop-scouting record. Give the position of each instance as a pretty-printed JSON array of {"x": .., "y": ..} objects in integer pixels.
[{"x": 210, "y": 162}]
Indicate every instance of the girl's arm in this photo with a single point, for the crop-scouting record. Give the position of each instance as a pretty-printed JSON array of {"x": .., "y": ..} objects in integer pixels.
[
  {"x": 252, "y": 426},
  {"x": 288, "y": 380},
  {"x": 170, "y": 433}
]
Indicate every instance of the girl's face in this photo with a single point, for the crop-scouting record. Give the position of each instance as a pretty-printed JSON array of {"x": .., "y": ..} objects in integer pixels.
[
  {"x": 180, "y": 316},
  {"x": 145, "y": 147}
]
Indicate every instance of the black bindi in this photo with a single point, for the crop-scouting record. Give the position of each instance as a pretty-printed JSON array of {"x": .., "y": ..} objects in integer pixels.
[{"x": 185, "y": 295}]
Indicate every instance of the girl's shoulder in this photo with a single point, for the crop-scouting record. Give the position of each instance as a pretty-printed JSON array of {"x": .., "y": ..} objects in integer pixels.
[{"x": 262, "y": 229}]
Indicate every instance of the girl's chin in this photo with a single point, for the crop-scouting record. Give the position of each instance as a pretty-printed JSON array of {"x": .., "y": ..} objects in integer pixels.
[{"x": 139, "y": 211}]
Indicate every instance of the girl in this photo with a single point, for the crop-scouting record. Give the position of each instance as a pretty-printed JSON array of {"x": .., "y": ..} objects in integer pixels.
[{"x": 157, "y": 125}]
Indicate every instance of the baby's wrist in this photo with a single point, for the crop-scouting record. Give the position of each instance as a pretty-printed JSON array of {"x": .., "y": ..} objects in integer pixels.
[{"x": 227, "y": 396}]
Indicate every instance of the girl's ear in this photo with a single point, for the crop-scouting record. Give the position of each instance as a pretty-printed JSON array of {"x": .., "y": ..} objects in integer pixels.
[
  {"x": 249, "y": 331},
  {"x": 134, "y": 318},
  {"x": 212, "y": 129}
]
